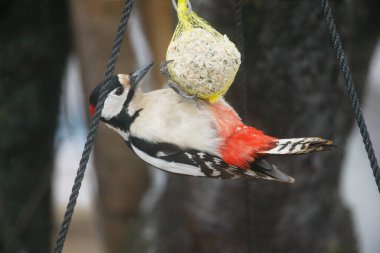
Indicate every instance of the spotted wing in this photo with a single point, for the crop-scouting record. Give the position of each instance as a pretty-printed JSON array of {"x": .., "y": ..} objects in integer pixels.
[{"x": 172, "y": 158}]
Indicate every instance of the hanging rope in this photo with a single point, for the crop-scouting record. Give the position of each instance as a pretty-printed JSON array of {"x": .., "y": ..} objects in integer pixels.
[
  {"x": 351, "y": 90},
  {"x": 242, "y": 84},
  {"x": 93, "y": 127}
]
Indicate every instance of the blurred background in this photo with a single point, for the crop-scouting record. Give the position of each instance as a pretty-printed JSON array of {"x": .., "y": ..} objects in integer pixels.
[{"x": 53, "y": 53}]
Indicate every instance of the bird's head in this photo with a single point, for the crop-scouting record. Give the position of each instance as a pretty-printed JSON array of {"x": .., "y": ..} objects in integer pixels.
[{"x": 119, "y": 93}]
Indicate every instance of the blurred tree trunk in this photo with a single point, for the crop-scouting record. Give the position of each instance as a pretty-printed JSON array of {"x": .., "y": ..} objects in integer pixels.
[
  {"x": 294, "y": 90},
  {"x": 122, "y": 177},
  {"x": 34, "y": 42}
]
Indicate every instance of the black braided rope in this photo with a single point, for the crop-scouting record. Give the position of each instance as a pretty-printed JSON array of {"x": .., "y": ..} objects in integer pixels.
[
  {"x": 351, "y": 90},
  {"x": 93, "y": 127},
  {"x": 242, "y": 85}
]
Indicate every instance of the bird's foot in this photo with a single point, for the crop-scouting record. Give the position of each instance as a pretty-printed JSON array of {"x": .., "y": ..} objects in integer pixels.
[
  {"x": 174, "y": 86},
  {"x": 164, "y": 68}
]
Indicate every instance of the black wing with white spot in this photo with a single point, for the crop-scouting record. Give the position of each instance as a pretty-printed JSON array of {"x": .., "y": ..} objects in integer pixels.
[{"x": 173, "y": 159}]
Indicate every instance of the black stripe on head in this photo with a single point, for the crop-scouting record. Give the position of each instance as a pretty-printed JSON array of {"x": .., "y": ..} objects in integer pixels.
[{"x": 113, "y": 84}]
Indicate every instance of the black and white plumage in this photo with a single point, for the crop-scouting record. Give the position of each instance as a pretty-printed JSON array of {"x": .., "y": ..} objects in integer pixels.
[
  {"x": 172, "y": 133},
  {"x": 192, "y": 162}
]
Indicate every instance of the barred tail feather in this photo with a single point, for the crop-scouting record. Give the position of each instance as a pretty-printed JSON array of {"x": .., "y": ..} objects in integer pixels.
[
  {"x": 299, "y": 146},
  {"x": 269, "y": 171}
]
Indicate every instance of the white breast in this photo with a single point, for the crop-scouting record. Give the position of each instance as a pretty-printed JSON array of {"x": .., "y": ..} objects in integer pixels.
[{"x": 166, "y": 117}]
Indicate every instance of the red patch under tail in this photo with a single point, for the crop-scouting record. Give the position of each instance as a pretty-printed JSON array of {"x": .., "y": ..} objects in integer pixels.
[
  {"x": 241, "y": 143},
  {"x": 242, "y": 147}
]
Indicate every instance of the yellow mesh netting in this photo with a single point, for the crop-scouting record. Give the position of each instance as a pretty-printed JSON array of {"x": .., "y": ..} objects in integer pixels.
[{"x": 205, "y": 62}]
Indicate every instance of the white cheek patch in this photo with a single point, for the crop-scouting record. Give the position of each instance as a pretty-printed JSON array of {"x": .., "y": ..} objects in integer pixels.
[{"x": 113, "y": 105}]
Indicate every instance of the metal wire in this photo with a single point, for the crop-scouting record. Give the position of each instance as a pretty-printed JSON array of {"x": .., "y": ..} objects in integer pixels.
[
  {"x": 351, "y": 90},
  {"x": 93, "y": 127}
]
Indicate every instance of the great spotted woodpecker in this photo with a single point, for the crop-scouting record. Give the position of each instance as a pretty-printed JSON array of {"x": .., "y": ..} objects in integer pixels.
[{"x": 193, "y": 137}]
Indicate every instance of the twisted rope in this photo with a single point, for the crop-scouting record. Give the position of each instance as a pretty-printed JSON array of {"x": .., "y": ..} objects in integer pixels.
[
  {"x": 351, "y": 90},
  {"x": 93, "y": 127}
]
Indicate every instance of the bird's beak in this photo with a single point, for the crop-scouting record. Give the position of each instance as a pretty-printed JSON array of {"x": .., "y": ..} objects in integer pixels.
[{"x": 138, "y": 75}]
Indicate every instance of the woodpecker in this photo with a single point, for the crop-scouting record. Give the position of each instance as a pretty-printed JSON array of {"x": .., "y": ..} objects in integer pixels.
[{"x": 191, "y": 136}]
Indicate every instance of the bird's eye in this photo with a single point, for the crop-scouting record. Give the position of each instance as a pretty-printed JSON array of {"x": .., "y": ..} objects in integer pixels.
[{"x": 119, "y": 91}]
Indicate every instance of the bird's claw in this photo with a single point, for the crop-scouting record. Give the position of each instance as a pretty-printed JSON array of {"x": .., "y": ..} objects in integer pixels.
[
  {"x": 164, "y": 68},
  {"x": 174, "y": 86}
]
